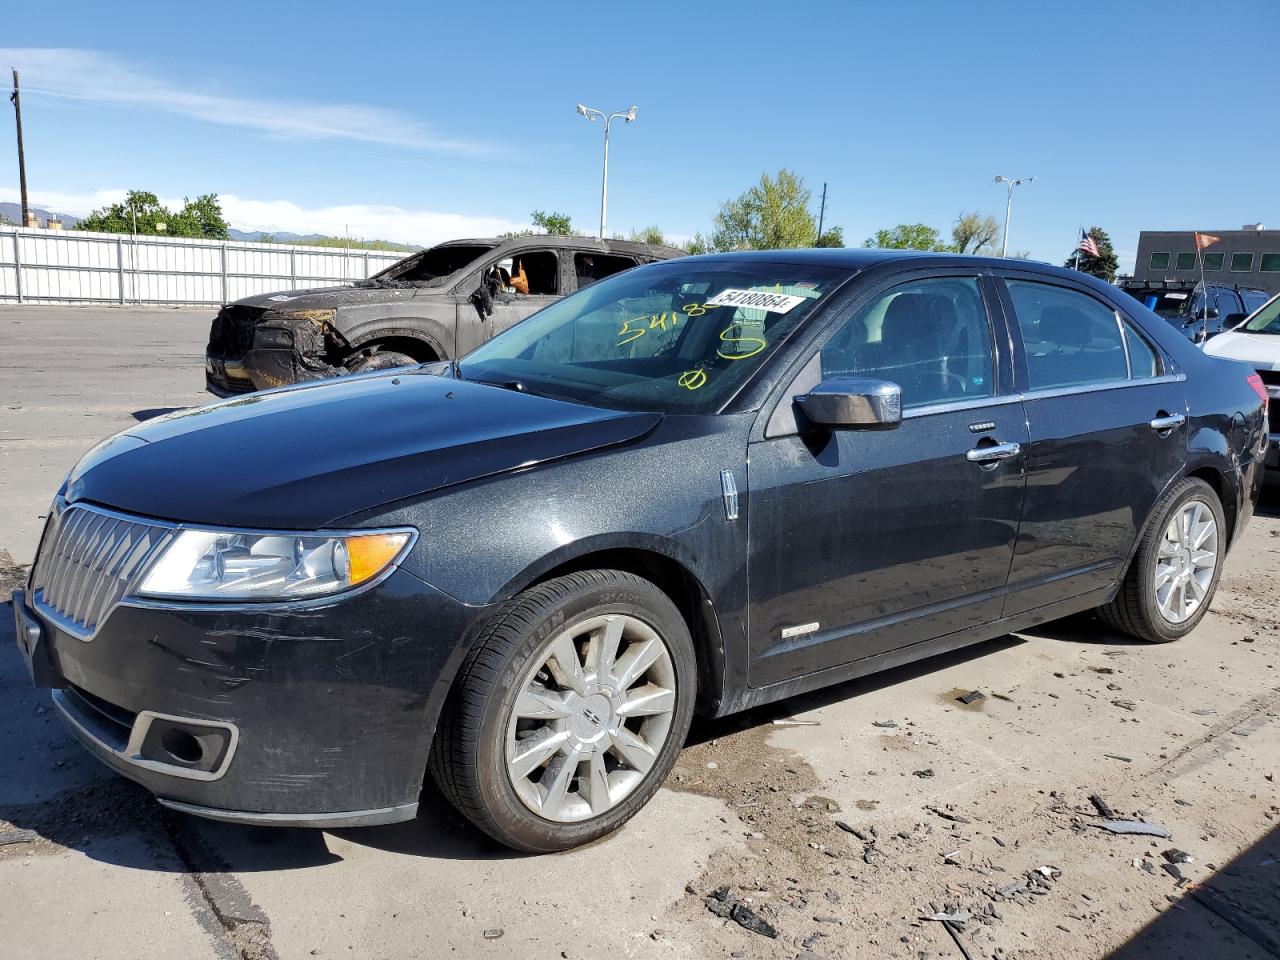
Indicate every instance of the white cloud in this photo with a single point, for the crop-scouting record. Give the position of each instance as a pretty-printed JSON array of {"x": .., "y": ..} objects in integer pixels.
[
  {"x": 362, "y": 220},
  {"x": 92, "y": 76}
]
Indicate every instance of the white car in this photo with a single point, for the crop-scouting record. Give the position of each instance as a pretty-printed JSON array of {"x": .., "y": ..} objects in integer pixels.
[{"x": 1256, "y": 341}]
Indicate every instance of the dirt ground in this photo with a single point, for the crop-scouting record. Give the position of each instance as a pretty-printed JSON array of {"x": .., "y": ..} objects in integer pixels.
[{"x": 881, "y": 818}]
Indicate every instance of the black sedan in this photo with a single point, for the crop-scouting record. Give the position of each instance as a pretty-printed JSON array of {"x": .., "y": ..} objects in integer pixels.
[{"x": 696, "y": 485}]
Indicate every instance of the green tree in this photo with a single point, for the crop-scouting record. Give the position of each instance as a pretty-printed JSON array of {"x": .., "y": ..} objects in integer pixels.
[
  {"x": 556, "y": 224},
  {"x": 697, "y": 244},
  {"x": 651, "y": 234},
  {"x": 974, "y": 233},
  {"x": 831, "y": 237},
  {"x": 1104, "y": 265},
  {"x": 201, "y": 217},
  {"x": 266, "y": 238},
  {"x": 772, "y": 214},
  {"x": 143, "y": 211},
  {"x": 908, "y": 236}
]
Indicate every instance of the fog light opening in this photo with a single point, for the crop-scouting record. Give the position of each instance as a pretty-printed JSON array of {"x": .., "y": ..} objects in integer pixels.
[{"x": 181, "y": 745}]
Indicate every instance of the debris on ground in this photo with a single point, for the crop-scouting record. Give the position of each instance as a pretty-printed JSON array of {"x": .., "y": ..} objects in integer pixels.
[
  {"x": 17, "y": 835},
  {"x": 972, "y": 697},
  {"x": 1103, "y": 808},
  {"x": 926, "y": 774},
  {"x": 493, "y": 933},
  {"x": 748, "y": 919},
  {"x": 788, "y": 722},
  {"x": 1124, "y": 704},
  {"x": 1139, "y": 827},
  {"x": 947, "y": 815},
  {"x": 884, "y": 724},
  {"x": 1174, "y": 855}
]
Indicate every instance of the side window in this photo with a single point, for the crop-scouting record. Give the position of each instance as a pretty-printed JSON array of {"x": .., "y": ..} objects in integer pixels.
[
  {"x": 1186, "y": 261},
  {"x": 590, "y": 267},
  {"x": 533, "y": 272},
  {"x": 931, "y": 337},
  {"x": 1228, "y": 302},
  {"x": 1160, "y": 261},
  {"x": 1071, "y": 339},
  {"x": 1213, "y": 261},
  {"x": 1143, "y": 360},
  {"x": 1252, "y": 300}
]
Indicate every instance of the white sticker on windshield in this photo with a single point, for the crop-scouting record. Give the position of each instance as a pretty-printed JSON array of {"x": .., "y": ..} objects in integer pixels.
[
  {"x": 281, "y": 298},
  {"x": 1175, "y": 296},
  {"x": 756, "y": 299}
]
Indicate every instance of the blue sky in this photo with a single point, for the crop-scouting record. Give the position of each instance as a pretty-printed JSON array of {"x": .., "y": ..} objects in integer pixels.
[{"x": 420, "y": 122}]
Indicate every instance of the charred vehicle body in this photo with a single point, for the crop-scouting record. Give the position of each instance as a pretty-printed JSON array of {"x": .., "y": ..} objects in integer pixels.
[
  {"x": 705, "y": 484},
  {"x": 434, "y": 305}
]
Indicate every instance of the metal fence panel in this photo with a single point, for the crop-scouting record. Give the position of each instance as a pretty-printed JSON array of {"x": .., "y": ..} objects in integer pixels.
[{"x": 50, "y": 266}]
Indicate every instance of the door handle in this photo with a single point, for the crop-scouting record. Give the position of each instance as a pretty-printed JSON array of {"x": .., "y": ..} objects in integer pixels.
[
  {"x": 1161, "y": 424},
  {"x": 997, "y": 451}
]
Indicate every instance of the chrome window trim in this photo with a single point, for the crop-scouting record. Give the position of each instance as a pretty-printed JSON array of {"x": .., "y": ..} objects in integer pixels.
[
  {"x": 974, "y": 403},
  {"x": 1101, "y": 386},
  {"x": 132, "y": 752}
]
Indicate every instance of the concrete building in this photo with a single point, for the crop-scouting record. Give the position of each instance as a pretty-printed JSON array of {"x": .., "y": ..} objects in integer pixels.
[{"x": 1248, "y": 257}]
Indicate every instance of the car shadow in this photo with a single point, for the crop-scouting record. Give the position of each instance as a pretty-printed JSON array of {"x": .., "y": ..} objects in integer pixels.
[
  {"x": 1269, "y": 502},
  {"x": 151, "y": 412},
  {"x": 1233, "y": 913}
]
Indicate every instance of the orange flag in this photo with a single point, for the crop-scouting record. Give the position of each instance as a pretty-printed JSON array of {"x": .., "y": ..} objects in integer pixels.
[{"x": 1205, "y": 240}]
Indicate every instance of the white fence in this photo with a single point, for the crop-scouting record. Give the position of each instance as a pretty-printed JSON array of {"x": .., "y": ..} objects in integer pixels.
[{"x": 44, "y": 266}]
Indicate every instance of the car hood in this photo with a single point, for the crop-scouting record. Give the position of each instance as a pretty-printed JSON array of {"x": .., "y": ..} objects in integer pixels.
[
  {"x": 328, "y": 298},
  {"x": 1259, "y": 350},
  {"x": 304, "y": 457}
]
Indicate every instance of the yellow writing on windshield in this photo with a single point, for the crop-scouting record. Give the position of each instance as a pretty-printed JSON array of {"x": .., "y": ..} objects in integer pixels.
[{"x": 692, "y": 379}]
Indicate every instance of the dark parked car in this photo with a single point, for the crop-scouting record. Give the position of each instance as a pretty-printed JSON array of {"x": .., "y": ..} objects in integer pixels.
[
  {"x": 434, "y": 305},
  {"x": 1182, "y": 304},
  {"x": 698, "y": 485}
]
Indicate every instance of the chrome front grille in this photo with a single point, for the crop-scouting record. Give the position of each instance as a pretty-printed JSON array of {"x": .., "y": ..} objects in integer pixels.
[{"x": 89, "y": 558}]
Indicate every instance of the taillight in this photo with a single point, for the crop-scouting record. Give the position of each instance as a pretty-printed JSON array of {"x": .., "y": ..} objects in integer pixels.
[{"x": 1260, "y": 388}]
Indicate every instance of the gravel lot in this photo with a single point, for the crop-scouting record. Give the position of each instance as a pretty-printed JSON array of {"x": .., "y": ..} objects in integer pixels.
[{"x": 836, "y": 820}]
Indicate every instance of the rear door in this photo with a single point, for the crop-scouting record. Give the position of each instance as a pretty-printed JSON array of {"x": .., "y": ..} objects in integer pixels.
[
  {"x": 862, "y": 541},
  {"x": 1107, "y": 425}
]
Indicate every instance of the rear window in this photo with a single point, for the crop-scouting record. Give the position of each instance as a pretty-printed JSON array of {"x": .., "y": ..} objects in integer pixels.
[{"x": 432, "y": 266}]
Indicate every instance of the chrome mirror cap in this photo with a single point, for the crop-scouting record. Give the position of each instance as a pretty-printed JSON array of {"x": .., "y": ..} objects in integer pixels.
[{"x": 853, "y": 403}]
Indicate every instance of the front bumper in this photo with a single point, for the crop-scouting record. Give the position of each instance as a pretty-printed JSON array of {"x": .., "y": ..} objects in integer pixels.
[{"x": 315, "y": 716}]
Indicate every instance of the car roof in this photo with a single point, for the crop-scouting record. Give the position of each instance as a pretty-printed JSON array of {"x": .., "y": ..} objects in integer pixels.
[
  {"x": 862, "y": 258},
  {"x": 545, "y": 240}
]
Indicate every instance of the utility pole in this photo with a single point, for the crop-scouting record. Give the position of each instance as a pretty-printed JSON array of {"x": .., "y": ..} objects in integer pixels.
[
  {"x": 22, "y": 160},
  {"x": 822, "y": 210},
  {"x": 594, "y": 115}
]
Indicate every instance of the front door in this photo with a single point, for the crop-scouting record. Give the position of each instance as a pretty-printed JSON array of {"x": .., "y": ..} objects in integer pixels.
[
  {"x": 524, "y": 282},
  {"x": 1107, "y": 422},
  {"x": 862, "y": 541}
]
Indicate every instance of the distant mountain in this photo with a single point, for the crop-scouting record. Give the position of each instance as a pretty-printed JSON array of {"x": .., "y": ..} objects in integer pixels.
[
  {"x": 235, "y": 234},
  {"x": 13, "y": 213}
]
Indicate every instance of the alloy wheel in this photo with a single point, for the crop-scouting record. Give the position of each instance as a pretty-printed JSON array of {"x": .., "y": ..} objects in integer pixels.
[
  {"x": 591, "y": 717},
  {"x": 1186, "y": 561}
]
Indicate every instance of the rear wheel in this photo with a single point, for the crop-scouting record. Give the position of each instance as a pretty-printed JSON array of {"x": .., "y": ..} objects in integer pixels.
[
  {"x": 569, "y": 712},
  {"x": 1170, "y": 584}
]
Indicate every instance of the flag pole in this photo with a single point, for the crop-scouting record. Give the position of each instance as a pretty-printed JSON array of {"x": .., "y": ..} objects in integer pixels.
[{"x": 1079, "y": 240}]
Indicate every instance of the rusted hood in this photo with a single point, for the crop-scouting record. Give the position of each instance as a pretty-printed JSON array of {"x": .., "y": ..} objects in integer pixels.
[
  {"x": 328, "y": 298},
  {"x": 306, "y": 456}
]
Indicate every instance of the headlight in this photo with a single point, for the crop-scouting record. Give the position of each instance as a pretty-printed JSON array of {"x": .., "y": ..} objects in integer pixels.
[{"x": 220, "y": 565}]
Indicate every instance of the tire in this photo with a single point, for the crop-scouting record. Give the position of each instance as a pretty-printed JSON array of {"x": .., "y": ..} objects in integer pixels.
[
  {"x": 481, "y": 758},
  {"x": 379, "y": 360},
  {"x": 1137, "y": 609}
]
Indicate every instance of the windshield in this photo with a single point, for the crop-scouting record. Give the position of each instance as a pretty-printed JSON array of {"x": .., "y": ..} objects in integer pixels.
[
  {"x": 674, "y": 337},
  {"x": 430, "y": 267},
  {"x": 1266, "y": 320},
  {"x": 1172, "y": 305}
]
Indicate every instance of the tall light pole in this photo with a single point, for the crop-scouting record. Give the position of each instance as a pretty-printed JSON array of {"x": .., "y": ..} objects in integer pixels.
[
  {"x": 1008, "y": 207},
  {"x": 593, "y": 116}
]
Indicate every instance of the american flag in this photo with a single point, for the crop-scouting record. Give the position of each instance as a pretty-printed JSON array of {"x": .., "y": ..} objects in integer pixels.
[{"x": 1088, "y": 244}]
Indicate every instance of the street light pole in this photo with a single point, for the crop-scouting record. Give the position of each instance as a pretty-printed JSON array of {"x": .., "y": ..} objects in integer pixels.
[
  {"x": 593, "y": 116},
  {"x": 1008, "y": 207}
]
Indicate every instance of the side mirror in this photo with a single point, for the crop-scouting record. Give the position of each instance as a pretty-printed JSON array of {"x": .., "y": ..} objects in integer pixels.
[
  {"x": 853, "y": 403},
  {"x": 1233, "y": 320}
]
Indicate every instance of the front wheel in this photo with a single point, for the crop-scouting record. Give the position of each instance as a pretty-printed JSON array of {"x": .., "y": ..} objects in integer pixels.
[
  {"x": 569, "y": 712},
  {"x": 366, "y": 362},
  {"x": 1170, "y": 584}
]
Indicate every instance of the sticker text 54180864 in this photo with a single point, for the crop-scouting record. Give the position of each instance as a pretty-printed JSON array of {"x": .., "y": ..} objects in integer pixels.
[{"x": 756, "y": 299}]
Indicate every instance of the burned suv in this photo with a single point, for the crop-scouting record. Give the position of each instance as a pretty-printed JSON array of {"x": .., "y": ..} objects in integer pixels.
[{"x": 437, "y": 304}]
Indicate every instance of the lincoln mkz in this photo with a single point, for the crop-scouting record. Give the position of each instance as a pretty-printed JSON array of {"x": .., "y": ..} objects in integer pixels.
[{"x": 694, "y": 486}]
